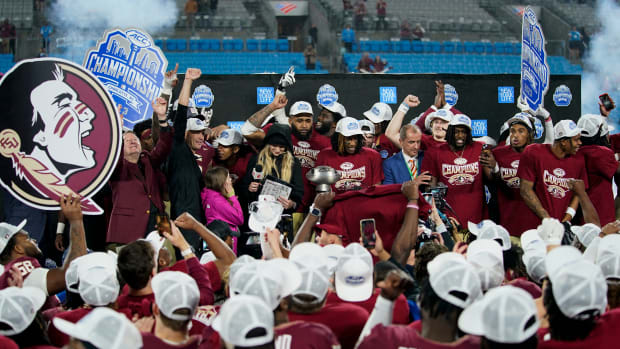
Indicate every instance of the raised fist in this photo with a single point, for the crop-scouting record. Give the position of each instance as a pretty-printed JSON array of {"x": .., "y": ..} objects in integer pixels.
[
  {"x": 412, "y": 101},
  {"x": 192, "y": 74}
]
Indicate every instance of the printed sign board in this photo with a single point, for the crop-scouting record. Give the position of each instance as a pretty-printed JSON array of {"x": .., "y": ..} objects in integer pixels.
[
  {"x": 132, "y": 68},
  {"x": 534, "y": 68},
  {"x": 62, "y": 136}
]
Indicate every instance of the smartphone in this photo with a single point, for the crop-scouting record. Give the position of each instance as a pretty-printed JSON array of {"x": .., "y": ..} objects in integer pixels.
[
  {"x": 606, "y": 101},
  {"x": 163, "y": 224},
  {"x": 367, "y": 230}
]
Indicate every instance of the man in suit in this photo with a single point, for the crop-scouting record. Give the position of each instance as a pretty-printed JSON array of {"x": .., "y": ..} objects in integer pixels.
[{"x": 406, "y": 164}]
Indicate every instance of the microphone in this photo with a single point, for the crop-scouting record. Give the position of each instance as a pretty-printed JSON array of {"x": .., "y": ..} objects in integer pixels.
[{"x": 257, "y": 173}]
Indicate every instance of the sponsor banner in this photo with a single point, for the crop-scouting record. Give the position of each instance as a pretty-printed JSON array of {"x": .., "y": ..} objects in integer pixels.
[
  {"x": 264, "y": 95},
  {"x": 202, "y": 97},
  {"x": 62, "y": 137},
  {"x": 132, "y": 68},
  {"x": 505, "y": 94},
  {"x": 479, "y": 128},
  {"x": 289, "y": 8},
  {"x": 451, "y": 95},
  {"x": 534, "y": 68},
  {"x": 388, "y": 95}
]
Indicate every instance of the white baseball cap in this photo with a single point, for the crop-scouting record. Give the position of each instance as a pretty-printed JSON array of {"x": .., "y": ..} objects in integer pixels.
[
  {"x": 348, "y": 126},
  {"x": 443, "y": 114},
  {"x": 354, "y": 277},
  {"x": 590, "y": 124},
  {"x": 195, "y": 124},
  {"x": 94, "y": 275},
  {"x": 560, "y": 257},
  {"x": 367, "y": 126},
  {"x": 19, "y": 308},
  {"x": 487, "y": 229},
  {"x": 270, "y": 280},
  {"x": 579, "y": 289},
  {"x": 566, "y": 129},
  {"x": 175, "y": 290},
  {"x": 314, "y": 278},
  {"x": 157, "y": 242},
  {"x": 264, "y": 214},
  {"x": 379, "y": 112},
  {"x": 531, "y": 240},
  {"x": 229, "y": 137},
  {"x": 486, "y": 140},
  {"x": 487, "y": 259},
  {"x": 241, "y": 315},
  {"x": 7, "y": 231},
  {"x": 335, "y": 107},
  {"x": 534, "y": 260},
  {"x": 453, "y": 279},
  {"x": 504, "y": 128},
  {"x": 461, "y": 120},
  {"x": 103, "y": 328},
  {"x": 333, "y": 253},
  {"x": 300, "y": 107},
  {"x": 608, "y": 256},
  {"x": 505, "y": 314},
  {"x": 586, "y": 233},
  {"x": 522, "y": 118},
  {"x": 239, "y": 263},
  {"x": 308, "y": 249}
]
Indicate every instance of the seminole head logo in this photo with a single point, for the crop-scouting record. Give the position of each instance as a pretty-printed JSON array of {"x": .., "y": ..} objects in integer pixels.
[{"x": 60, "y": 133}]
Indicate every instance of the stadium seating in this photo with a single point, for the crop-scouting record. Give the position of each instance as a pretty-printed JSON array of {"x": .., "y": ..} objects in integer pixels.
[
  {"x": 461, "y": 63},
  {"x": 18, "y": 12},
  {"x": 6, "y": 62}
]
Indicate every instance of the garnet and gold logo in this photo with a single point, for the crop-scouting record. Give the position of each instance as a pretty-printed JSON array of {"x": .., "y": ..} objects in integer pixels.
[{"x": 60, "y": 134}]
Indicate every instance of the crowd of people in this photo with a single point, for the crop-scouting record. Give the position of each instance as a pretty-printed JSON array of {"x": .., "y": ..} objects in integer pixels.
[{"x": 419, "y": 236}]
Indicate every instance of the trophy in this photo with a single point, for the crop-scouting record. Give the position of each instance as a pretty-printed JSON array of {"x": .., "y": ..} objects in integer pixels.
[{"x": 323, "y": 177}]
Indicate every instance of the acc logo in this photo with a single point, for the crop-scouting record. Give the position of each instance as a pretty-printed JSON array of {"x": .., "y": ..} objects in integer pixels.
[
  {"x": 387, "y": 95},
  {"x": 572, "y": 125},
  {"x": 303, "y": 144},
  {"x": 460, "y": 161},
  {"x": 264, "y": 95},
  {"x": 384, "y": 154},
  {"x": 63, "y": 136},
  {"x": 132, "y": 68},
  {"x": 202, "y": 98},
  {"x": 224, "y": 135},
  {"x": 515, "y": 164},
  {"x": 353, "y": 126},
  {"x": 505, "y": 94},
  {"x": 559, "y": 172},
  {"x": 375, "y": 111},
  {"x": 354, "y": 280},
  {"x": 346, "y": 166},
  {"x": 539, "y": 128},
  {"x": 562, "y": 96},
  {"x": 451, "y": 95},
  {"x": 327, "y": 95}
]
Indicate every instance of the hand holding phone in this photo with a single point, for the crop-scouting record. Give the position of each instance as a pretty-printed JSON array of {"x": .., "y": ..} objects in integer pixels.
[
  {"x": 607, "y": 102},
  {"x": 367, "y": 230},
  {"x": 163, "y": 224}
]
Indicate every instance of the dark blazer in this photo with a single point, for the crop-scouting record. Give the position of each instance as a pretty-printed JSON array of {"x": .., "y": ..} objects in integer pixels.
[
  {"x": 132, "y": 192},
  {"x": 395, "y": 170}
]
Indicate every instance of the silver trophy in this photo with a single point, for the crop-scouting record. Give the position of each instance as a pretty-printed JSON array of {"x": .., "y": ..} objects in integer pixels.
[{"x": 323, "y": 177}]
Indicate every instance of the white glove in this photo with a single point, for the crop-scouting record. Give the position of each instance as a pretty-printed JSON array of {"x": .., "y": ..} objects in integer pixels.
[
  {"x": 288, "y": 79},
  {"x": 168, "y": 80},
  {"x": 522, "y": 104},
  {"x": 551, "y": 231},
  {"x": 542, "y": 112}
]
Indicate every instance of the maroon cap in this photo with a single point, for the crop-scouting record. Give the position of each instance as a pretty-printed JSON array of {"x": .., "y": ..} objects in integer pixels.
[{"x": 330, "y": 228}]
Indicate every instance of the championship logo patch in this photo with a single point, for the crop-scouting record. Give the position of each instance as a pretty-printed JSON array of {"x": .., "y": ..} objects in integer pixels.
[
  {"x": 61, "y": 134},
  {"x": 327, "y": 95},
  {"x": 132, "y": 68}
]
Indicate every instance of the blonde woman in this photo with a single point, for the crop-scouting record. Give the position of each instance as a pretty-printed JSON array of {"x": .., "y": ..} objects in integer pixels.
[{"x": 276, "y": 159}]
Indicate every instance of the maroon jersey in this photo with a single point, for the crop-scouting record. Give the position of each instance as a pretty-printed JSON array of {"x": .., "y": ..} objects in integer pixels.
[
  {"x": 385, "y": 147},
  {"x": 614, "y": 140},
  {"x": 58, "y": 338},
  {"x": 305, "y": 335},
  {"x": 401, "y": 307},
  {"x": 512, "y": 208},
  {"x": 550, "y": 176},
  {"x": 149, "y": 340},
  {"x": 601, "y": 165},
  {"x": 356, "y": 171},
  {"x": 24, "y": 264},
  {"x": 7, "y": 343},
  {"x": 462, "y": 173},
  {"x": 403, "y": 337},
  {"x": 344, "y": 319},
  {"x": 428, "y": 142},
  {"x": 307, "y": 153},
  {"x": 204, "y": 155},
  {"x": 604, "y": 335}
]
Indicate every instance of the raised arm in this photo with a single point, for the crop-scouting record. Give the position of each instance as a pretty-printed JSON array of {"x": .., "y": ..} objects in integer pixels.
[
  {"x": 322, "y": 202},
  {"x": 531, "y": 200},
  {"x": 71, "y": 209},
  {"x": 406, "y": 238},
  {"x": 251, "y": 128},
  {"x": 589, "y": 211},
  {"x": 393, "y": 129}
]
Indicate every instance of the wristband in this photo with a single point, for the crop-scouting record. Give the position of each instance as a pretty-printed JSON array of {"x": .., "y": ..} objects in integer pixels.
[
  {"x": 496, "y": 168},
  {"x": 404, "y": 108},
  {"x": 60, "y": 228},
  {"x": 413, "y": 206},
  {"x": 617, "y": 156},
  {"x": 187, "y": 252},
  {"x": 548, "y": 118},
  {"x": 571, "y": 211}
]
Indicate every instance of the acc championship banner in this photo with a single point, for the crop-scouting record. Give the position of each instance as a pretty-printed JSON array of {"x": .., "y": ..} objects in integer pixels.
[
  {"x": 534, "y": 68},
  {"x": 60, "y": 135},
  {"x": 132, "y": 68}
]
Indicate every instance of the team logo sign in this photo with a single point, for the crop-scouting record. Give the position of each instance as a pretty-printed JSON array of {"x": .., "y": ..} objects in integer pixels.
[
  {"x": 451, "y": 95},
  {"x": 327, "y": 95},
  {"x": 562, "y": 96},
  {"x": 202, "y": 98},
  {"x": 60, "y": 135},
  {"x": 132, "y": 68},
  {"x": 534, "y": 68}
]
